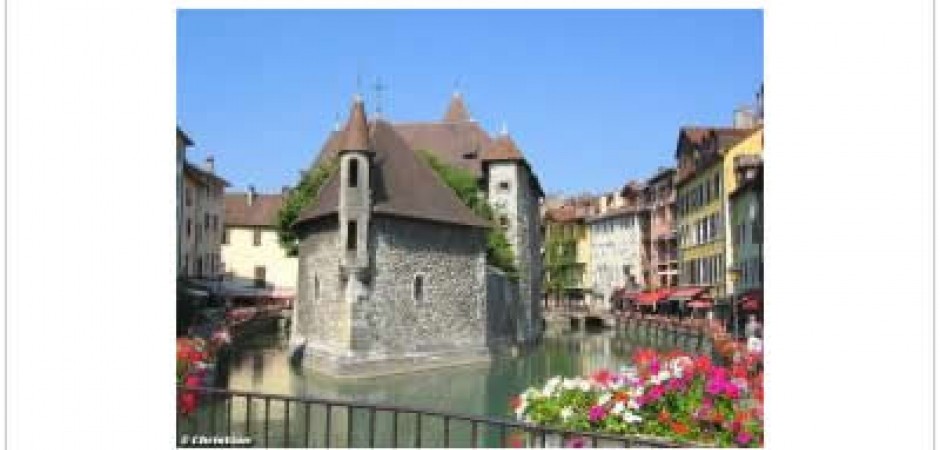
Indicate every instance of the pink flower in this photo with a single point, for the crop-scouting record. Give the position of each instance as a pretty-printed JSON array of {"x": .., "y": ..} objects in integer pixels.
[
  {"x": 577, "y": 442},
  {"x": 744, "y": 438},
  {"x": 597, "y": 413}
]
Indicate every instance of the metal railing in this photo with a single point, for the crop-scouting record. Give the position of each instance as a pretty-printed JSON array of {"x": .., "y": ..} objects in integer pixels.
[{"x": 234, "y": 418}]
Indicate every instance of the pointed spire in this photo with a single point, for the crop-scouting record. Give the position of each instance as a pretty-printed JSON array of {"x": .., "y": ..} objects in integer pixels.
[
  {"x": 504, "y": 129},
  {"x": 356, "y": 134},
  {"x": 457, "y": 111},
  {"x": 503, "y": 148}
]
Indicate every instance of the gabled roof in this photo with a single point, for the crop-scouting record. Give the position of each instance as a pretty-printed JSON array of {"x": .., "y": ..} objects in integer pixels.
[
  {"x": 402, "y": 185},
  {"x": 202, "y": 175},
  {"x": 182, "y": 136},
  {"x": 459, "y": 144},
  {"x": 456, "y": 110},
  {"x": 261, "y": 213}
]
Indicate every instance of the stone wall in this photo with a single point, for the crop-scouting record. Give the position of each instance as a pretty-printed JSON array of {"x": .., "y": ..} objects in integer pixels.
[
  {"x": 322, "y": 320},
  {"x": 520, "y": 204},
  {"x": 502, "y": 308},
  {"x": 451, "y": 260}
]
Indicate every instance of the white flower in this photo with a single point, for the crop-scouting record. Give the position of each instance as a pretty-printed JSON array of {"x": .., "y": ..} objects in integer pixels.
[
  {"x": 618, "y": 408},
  {"x": 584, "y": 385},
  {"x": 604, "y": 398},
  {"x": 569, "y": 383},
  {"x": 566, "y": 413},
  {"x": 550, "y": 387},
  {"x": 664, "y": 375},
  {"x": 637, "y": 391},
  {"x": 632, "y": 404},
  {"x": 629, "y": 417}
]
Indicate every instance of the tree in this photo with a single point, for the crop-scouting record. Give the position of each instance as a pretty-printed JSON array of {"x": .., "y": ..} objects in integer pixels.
[
  {"x": 304, "y": 194},
  {"x": 464, "y": 184}
]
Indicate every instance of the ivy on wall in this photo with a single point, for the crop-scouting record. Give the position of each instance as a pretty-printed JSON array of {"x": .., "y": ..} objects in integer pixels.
[{"x": 305, "y": 193}]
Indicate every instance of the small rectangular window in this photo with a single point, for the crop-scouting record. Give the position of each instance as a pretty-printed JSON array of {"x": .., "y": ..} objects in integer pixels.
[
  {"x": 256, "y": 237},
  {"x": 206, "y": 221},
  {"x": 260, "y": 273},
  {"x": 418, "y": 289},
  {"x": 225, "y": 236},
  {"x": 353, "y": 172},
  {"x": 504, "y": 185},
  {"x": 351, "y": 235}
]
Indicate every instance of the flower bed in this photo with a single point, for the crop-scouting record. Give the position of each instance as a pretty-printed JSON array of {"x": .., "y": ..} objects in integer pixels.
[
  {"x": 194, "y": 359},
  {"x": 677, "y": 396}
]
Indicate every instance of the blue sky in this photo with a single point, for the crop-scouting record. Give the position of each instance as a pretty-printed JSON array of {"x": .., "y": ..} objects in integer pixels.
[{"x": 593, "y": 98}]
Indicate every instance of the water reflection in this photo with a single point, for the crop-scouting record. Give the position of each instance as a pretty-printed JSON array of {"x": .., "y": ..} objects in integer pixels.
[{"x": 262, "y": 365}]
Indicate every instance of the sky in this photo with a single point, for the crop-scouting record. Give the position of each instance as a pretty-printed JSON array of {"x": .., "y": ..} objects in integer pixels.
[{"x": 592, "y": 98}]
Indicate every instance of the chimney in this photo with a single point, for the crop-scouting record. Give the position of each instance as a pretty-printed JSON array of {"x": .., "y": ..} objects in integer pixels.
[
  {"x": 210, "y": 164},
  {"x": 744, "y": 117},
  {"x": 251, "y": 194}
]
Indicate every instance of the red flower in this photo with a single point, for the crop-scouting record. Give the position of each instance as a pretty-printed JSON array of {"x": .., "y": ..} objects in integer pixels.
[
  {"x": 703, "y": 364},
  {"x": 679, "y": 428},
  {"x": 187, "y": 403},
  {"x": 664, "y": 416},
  {"x": 515, "y": 441},
  {"x": 602, "y": 377},
  {"x": 644, "y": 356},
  {"x": 515, "y": 401}
]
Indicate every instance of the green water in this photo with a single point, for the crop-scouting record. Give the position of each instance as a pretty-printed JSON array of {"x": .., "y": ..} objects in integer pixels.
[{"x": 262, "y": 365}]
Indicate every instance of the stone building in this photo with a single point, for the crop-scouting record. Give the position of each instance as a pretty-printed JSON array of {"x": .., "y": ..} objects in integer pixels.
[
  {"x": 251, "y": 252},
  {"x": 182, "y": 143},
  {"x": 506, "y": 179},
  {"x": 616, "y": 236},
  {"x": 392, "y": 264}
]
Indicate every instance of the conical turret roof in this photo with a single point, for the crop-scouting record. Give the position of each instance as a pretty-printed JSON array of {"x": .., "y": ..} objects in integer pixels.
[
  {"x": 356, "y": 132},
  {"x": 457, "y": 111}
]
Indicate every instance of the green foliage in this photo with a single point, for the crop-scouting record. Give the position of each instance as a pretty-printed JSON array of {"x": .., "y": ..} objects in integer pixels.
[
  {"x": 305, "y": 193},
  {"x": 464, "y": 184},
  {"x": 561, "y": 265}
]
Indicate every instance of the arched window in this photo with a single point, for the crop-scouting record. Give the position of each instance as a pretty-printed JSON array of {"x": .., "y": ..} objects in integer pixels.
[{"x": 353, "y": 172}]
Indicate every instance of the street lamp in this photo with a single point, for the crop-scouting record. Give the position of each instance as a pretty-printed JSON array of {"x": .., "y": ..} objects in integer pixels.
[{"x": 734, "y": 274}]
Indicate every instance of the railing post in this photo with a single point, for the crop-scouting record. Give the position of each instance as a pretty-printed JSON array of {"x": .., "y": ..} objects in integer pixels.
[
  {"x": 371, "y": 427},
  {"x": 267, "y": 408},
  {"x": 349, "y": 424},
  {"x": 329, "y": 419},
  {"x": 473, "y": 432},
  {"x": 418, "y": 429},
  {"x": 395, "y": 428},
  {"x": 286, "y": 423},
  {"x": 306, "y": 424}
]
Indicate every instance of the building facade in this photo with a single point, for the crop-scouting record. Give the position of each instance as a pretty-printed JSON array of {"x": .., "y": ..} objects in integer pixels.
[
  {"x": 392, "y": 264},
  {"x": 182, "y": 142},
  {"x": 701, "y": 207},
  {"x": 616, "y": 253},
  {"x": 747, "y": 222},
  {"x": 251, "y": 252},
  {"x": 751, "y": 146},
  {"x": 201, "y": 221},
  {"x": 661, "y": 199}
]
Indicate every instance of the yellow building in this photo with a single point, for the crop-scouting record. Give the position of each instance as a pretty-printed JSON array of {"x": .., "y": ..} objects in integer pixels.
[
  {"x": 251, "y": 253},
  {"x": 753, "y": 144},
  {"x": 700, "y": 205},
  {"x": 566, "y": 223}
]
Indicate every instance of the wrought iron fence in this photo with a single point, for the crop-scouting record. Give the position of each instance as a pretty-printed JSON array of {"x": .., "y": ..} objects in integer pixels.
[{"x": 230, "y": 418}]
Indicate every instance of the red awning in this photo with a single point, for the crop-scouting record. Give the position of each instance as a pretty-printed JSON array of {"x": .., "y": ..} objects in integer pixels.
[
  {"x": 686, "y": 293},
  {"x": 652, "y": 298},
  {"x": 752, "y": 300}
]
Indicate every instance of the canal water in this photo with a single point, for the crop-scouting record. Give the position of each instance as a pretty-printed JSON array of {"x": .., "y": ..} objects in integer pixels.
[{"x": 261, "y": 364}]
